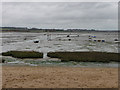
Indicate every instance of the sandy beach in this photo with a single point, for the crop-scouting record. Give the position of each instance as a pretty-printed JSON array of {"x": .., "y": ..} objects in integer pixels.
[{"x": 59, "y": 77}]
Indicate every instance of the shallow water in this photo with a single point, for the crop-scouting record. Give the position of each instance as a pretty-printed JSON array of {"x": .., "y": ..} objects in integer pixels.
[
  {"x": 58, "y": 63},
  {"x": 74, "y": 64}
]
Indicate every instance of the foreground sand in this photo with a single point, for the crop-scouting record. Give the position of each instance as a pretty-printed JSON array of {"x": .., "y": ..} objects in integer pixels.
[{"x": 59, "y": 77}]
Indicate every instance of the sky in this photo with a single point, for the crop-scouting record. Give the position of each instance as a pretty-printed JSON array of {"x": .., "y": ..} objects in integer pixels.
[{"x": 85, "y": 15}]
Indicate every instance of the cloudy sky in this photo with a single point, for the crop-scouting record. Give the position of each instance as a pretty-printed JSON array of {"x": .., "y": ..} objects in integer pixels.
[{"x": 89, "y": 15}]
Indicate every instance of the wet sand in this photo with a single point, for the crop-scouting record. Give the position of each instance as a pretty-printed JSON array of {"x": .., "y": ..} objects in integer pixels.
[{"x": 59, "y": 77}]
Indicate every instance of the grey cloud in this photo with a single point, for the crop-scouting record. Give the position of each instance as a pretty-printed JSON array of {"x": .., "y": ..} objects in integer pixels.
[{"x": 61, "y": 15}]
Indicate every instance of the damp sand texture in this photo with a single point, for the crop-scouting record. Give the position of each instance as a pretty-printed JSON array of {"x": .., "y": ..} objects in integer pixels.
[{"x": 59, "y": 77}]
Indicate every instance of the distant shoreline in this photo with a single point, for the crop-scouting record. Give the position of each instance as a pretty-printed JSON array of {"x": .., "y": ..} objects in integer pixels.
[{"x": 52, "y": 31}]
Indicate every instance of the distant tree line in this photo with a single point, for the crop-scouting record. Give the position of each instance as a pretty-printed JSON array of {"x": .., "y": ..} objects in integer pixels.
[{"x": 24, "y": 29}]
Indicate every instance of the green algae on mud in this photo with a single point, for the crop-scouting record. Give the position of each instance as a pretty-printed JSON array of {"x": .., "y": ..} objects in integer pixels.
[
  {"x": 23, "y": 54},
  {"x": 104, "y": 57},
  {"x": 85, "y": 56}
]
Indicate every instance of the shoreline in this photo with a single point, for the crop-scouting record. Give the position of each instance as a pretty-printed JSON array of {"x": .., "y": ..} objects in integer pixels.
[{"x": 58, "y": 77}]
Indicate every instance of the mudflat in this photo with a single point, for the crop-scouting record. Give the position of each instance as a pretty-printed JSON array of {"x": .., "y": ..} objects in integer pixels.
[{"x": 58, "y": 77}]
